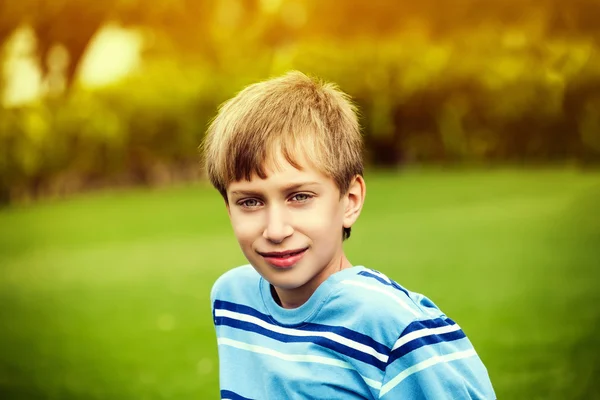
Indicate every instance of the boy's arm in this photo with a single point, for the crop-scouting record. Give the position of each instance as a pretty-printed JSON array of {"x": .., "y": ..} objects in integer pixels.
[{"x": 433, "y": 359}]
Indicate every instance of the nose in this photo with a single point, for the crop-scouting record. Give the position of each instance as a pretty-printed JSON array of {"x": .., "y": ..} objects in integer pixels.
[{"x": 278, "y": 226}]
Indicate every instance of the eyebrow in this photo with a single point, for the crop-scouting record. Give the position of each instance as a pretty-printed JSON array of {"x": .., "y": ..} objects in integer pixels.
[{"x": 286, "y": 189}]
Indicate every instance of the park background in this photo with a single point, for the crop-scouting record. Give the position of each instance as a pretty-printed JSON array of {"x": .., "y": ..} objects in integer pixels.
[{"x": 482, "y": 128}]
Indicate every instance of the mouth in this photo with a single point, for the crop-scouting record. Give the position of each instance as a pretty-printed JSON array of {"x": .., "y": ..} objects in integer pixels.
[{"x": 284, "y": 259}]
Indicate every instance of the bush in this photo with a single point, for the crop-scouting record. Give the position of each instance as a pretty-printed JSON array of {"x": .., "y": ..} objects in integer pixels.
[{"x": 490, "y": 97}]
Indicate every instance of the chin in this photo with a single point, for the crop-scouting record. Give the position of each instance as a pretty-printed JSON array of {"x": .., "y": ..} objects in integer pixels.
[
  {"x": 286, "y": 285},
  {"x": 284, "y": 282}
]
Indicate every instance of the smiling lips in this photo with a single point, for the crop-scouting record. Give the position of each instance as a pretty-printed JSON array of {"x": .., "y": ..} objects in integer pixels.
[{"x": 284, "y": 259}]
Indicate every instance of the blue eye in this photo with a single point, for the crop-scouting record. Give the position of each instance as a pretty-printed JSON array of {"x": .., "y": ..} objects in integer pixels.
[
  {"x": 249, "y": 203},
  {"x": 301, "y": 197}
]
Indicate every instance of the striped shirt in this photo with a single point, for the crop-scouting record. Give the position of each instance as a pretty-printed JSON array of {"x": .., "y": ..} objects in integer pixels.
[{"x": 359, "y": 336}]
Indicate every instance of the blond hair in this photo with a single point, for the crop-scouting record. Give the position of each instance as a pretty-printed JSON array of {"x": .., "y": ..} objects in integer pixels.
[{"x": 293, "y": 113}]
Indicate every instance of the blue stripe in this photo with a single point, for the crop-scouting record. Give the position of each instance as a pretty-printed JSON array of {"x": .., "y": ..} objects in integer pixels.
[
  {"x": 349, "y": 334},
  {"x": 424, "y": 341},
  {"x": 311, "y": 327},
  {"x": 228, "y": 394},
  {"x": 381, "y": 280},
  {"x": 318, "y": 340},
  {"x": 428, "y": 323}
]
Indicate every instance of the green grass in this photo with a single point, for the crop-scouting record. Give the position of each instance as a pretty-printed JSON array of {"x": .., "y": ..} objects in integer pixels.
[{"x": 106, "y": 296}]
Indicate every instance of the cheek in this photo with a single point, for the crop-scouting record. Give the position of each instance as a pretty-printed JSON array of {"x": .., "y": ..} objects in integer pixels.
[
  {"x": 323, "y": 223},
  {"x": 244, "y": 229}
]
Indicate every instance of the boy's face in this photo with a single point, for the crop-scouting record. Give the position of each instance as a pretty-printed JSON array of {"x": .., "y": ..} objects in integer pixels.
[{"x": 290, "y": 224}]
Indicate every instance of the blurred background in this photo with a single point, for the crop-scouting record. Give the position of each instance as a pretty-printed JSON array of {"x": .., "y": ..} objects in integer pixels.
[{"x": 482, "y": 128}]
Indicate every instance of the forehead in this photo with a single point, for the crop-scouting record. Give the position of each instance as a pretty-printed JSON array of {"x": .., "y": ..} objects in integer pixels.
[{"x": 281, "y": 173}]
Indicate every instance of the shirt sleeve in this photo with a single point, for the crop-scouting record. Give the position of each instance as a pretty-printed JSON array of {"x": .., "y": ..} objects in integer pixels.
[{"x": 433, "y": 359}]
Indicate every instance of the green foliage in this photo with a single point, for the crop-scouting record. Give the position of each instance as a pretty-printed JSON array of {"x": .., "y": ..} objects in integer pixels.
[
  {"x": 146, "y": 130},
  {"x": 501, "y": 98},
  {"x": 493, "y": 97}
]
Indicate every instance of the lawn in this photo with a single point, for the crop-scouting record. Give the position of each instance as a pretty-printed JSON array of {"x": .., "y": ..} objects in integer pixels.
[{"x": 106, "y": 296}]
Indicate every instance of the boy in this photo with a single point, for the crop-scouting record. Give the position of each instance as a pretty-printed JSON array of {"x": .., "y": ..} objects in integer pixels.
[{"x": 300, "y": 322}]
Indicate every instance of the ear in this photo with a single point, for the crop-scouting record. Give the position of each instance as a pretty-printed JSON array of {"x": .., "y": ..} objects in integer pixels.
[{"x": 354, "y": 199}]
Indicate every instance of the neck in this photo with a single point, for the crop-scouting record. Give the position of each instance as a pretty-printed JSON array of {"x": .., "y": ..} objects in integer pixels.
[{"x": 293, "y": 298}]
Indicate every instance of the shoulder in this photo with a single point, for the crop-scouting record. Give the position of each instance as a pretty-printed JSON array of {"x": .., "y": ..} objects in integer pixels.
[
  {"x": 375, "y": 290},
  {"x": 237, "y": 280},
  {"x": 420, "y": 341},
  {"x": 382, "y": 303}
]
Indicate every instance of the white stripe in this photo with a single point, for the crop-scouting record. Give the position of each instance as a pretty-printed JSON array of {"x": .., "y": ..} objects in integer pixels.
[
  {"x": 295, "y": 332},
  {"x": 423, "y": 365},
  {"x": 374, "y": 384},
  {"x": 294, "y": 357},
  {"x": 383, "y": 291},
  {"x": 283, "y": 356},
  {"x": 424, "y": 332}
]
